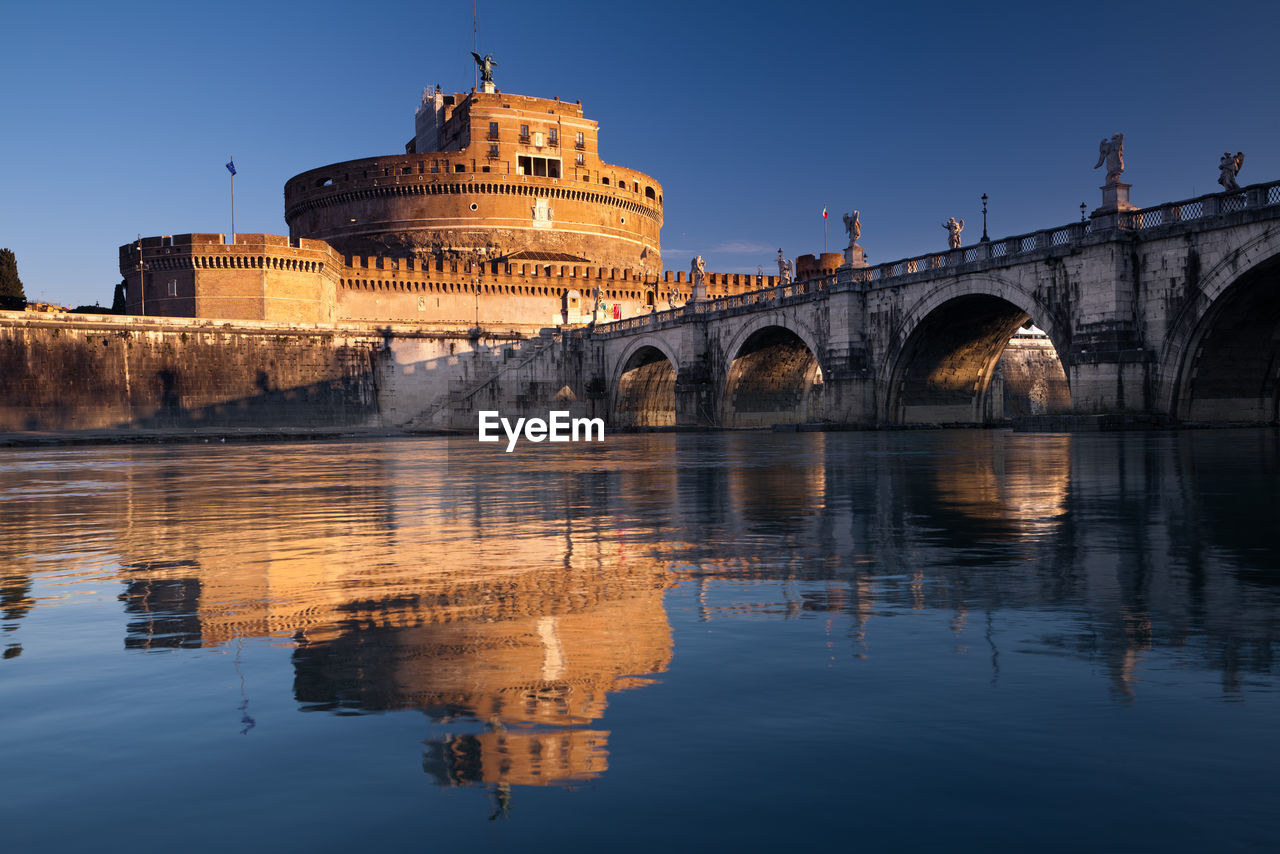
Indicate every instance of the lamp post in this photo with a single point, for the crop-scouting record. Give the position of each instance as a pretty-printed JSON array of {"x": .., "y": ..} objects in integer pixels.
[
  {"x": 1083, "y": 207},
  {"x": 985, "y": 239}
]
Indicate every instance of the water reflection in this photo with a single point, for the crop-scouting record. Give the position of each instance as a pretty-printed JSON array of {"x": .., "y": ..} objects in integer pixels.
[{"x": 508, "y": 597}]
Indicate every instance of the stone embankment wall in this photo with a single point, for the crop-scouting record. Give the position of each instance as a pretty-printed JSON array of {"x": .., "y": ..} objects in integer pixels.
[
  {"x": 84, "y": 372},
  {"x": 1029, "y": 380},
  {"x": 87, "y": 372},
  {"x": 518, "y": 378}
]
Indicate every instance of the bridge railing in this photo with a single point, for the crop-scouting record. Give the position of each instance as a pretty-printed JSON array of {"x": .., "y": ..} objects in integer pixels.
[
  {"x": 1213, "y": 204},
  {"x": 777, "y": 293}
]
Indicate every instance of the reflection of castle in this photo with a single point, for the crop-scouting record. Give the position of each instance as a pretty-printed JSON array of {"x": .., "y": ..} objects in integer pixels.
[
  {"x": 500, "y": 211},
  {"x": 518, "y": 630}
]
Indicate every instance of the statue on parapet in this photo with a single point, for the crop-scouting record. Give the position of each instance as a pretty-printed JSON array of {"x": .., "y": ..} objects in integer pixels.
[
  {"x": 697, "y": 280},
  {"x": 486, "y": 64},
  {"x": 953, "y": 232},
  {"x": 1111, "y": 152},
  {"x": 1228, "y": 169},
  {"x": 853, "y": 227},
  {"x": 784, "y": 269}
]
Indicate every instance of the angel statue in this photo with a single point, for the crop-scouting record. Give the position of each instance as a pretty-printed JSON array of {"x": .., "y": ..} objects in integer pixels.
[
  {"x": 697, "y": 270},
  {"x": 953, "y": 232},
  {"x": 1228, "y": 169},
  {"x": 853, "y": 227},
  {"x": 486, "y": 64},
  {"x": 1111, "y": 151},
  {"x": 784, "y": 269}
]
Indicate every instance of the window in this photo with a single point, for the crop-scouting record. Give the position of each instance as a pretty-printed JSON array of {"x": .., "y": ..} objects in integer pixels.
[
  {"x": 553, "y": 137},
  {"x": 493, "y": 130},
  {"x": 493, "y": 151},
  {"x": 173, "y": 287},
  {"x": 524, "y": 133},
  {"x": 459, "y": 167},
  {"x": 579, "y": 141},
  {"x": 540, "y": 167},
  {"x": 580, "y": 160}
]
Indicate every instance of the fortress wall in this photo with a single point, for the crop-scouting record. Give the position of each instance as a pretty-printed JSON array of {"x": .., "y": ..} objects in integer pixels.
[
  {"x": 521, "y": 293},
  {"x": 79, "y": 372},
  {"x": 275, "y": 278},
  {"x": 259, "y": 277}
]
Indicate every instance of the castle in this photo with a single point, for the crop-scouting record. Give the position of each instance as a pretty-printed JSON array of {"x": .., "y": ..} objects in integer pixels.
[{"x": 500, "y": 213}]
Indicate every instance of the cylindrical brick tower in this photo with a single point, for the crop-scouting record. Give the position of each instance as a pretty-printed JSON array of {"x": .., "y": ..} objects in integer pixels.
[{"x": 512, "y": 176}]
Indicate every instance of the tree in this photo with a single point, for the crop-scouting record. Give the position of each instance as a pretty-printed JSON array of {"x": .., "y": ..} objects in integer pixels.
[
  {"x": 11, "y": 294},
  {"x": 117, "y": 300}
]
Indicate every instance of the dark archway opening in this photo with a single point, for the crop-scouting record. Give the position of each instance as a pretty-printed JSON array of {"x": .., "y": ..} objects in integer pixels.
[
  {"x": 774, "y": 379},
  {"x": 646, "y": 395},
  {"x": 977, "y": 360},
  {"x": 1233, "y": 369}
]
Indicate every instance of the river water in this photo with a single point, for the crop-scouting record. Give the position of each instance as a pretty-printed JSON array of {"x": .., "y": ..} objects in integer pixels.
[{"x": 966, "y": 640}]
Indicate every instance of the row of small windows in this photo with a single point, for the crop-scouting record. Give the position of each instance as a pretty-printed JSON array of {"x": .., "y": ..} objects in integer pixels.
[
  {"x": 234, "y": 261},
  {"x": 466, "y": 189},
  {"x": 525, "y": 165},
  {"x": 465, "y": 287},
  {"x": 553, "y": 136}
]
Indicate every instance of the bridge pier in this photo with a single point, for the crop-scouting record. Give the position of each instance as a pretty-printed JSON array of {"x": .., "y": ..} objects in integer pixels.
[
  {"x": 695, "y": 384},
  {"x": 849, "y": 388}
]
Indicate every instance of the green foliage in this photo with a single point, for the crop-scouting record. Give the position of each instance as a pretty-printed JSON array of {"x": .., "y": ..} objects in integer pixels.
[
  {"x": 11, "y": 294},
  {"x": 117, "y": 300}
]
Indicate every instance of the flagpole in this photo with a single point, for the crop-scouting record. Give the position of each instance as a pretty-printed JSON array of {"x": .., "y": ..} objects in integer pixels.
[{"x": 232, "y": 159}]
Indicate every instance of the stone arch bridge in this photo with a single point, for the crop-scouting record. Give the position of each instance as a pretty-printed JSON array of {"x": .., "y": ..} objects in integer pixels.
[{"x": 1168, "y": 311}]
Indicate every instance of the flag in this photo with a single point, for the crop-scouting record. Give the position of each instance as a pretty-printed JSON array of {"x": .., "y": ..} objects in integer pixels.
[
  {"x": 231, "y": 166},
  {"x": 824, "y": 211}
]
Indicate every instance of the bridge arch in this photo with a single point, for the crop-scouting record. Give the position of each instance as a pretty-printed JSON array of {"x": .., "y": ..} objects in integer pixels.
[
  {"x": 644, "y": 385},
  {"x": 947, "y": 347},
  {"x": 772, "y": 374},
  {"x": 1222, "y": 353}
]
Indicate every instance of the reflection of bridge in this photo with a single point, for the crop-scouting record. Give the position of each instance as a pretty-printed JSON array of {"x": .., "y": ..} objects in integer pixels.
[{"x": 1171, "y": 310}]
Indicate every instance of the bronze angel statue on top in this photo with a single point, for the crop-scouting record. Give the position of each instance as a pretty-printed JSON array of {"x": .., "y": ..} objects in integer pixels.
[{"x": 486, "y": 64}]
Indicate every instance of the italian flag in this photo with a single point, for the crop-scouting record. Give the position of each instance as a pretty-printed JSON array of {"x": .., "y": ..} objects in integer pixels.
[{"x": 824, "y": 211}]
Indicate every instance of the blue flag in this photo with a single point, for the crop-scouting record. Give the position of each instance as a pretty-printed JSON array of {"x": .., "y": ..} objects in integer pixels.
[{"x": 231, "y": 166}]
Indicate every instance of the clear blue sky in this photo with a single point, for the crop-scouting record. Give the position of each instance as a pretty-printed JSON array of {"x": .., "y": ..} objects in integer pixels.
[{"x": 118, "y": 117}]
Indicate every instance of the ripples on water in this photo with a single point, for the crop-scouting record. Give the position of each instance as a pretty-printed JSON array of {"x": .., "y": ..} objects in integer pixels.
[{"x": 689, "y": 640}]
